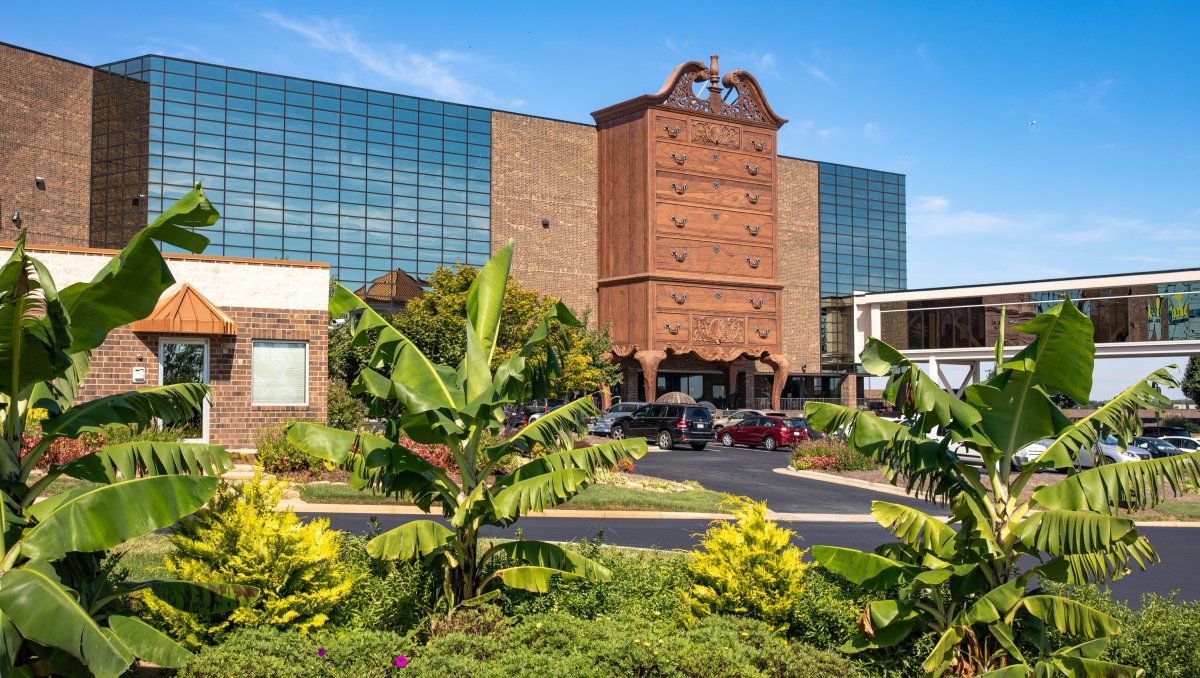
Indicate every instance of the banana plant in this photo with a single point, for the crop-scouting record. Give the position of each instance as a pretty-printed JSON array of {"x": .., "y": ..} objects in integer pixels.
[
  {"x": 60, "y": 609},
  {"x": 975, "y": 580},
  {"x": 459, "y": 407}
]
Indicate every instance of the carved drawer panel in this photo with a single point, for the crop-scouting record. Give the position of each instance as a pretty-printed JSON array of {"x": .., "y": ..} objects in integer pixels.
[
  {"x": 758, "y": 141},
  {"x": 690, "y": 221},
  {"x": 714, "y": 133},
  {"x": 671, "y": 127},
  {"x": 718, "y": 329},
  {"x": 698, "y": 257},
  {"x": 730, "y": 164},
  {"x": 677, "y": 186},
  {"x": 708, "y": 298},
  {"x": 671, "y": 326},
  {"x": 762, "y": 332}
]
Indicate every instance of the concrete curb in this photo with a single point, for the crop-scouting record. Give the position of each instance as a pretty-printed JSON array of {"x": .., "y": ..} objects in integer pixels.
[
  {"x": 405, "y": 510},
  {"x": 838, "y": 480}
]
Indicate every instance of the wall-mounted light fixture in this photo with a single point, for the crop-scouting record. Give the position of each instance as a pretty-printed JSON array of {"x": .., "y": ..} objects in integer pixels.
[
  {"x": 16, "y": 219},
  {"x": 137, "y": 200},
  {"x": 40, "y": 183},
  {"x": 545, "y": 223}
]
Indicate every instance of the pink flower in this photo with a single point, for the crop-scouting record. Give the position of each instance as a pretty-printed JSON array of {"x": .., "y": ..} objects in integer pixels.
[
  {"x": 401, "y": 661},
  {"x": 321, "y": 652}
]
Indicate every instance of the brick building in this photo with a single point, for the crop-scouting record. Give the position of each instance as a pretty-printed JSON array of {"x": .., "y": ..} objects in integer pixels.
[{"x": 384, "y": 188}]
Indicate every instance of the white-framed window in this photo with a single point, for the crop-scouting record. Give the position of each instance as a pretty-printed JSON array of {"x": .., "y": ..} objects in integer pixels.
[{"x": 278, "y": 372}]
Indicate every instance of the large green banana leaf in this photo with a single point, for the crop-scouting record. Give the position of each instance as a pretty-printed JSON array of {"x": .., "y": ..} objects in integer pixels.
[
  {"x": 1060, "y": 532},
  {"x": 532, "y": 577},
  {"x": 1072, "y": 617},
  {"x": 146, "y": 642},
  {"x": 58, "y": 394},
  {"x": 605, "y": 455},
  {"x": 323, "y": 442},
  {"x": 135, "y": 460},
  {"x": 412, "y": 540},
  {"x": 128, "y": 288},
  {"x": 1106, "y": 565},
  {"x": 106, "y": 516},
  {"x": 913, "y": 527},
  {"x": 555, "y": 430},
  {"x": 35, "y": 601},
  {"x": 865, "y": 569},
  {"x": 1060, "y": 358},
  {"x": 539, "y": 493},
  {"x": 485, "y": 300},
  {"x": 926, "y": 397},
  {"x": 33, "y": 325},
  {"x": 542, "y": 554},
  {"x": 197, "y": 597},
  {"x": 1132, "y": 485},
  {"x": 173, "y": 403}
]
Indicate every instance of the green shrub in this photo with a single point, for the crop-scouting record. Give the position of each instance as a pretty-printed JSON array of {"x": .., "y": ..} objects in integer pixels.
[
  {"x": 276, "y": 454},
  {"x": 240, "y": 539},
  {"x": 345, "y": 411},
  {"x": 649, "y": 584},
  {"x": 828, "y": 454},
  {"x": 269, "y": 653},
  {"x": 748, "y": 568},
  {"x": 1192, "y": 425},
  {"x": 1163, "y": 637},
  {"x": 390, "y": 595}
]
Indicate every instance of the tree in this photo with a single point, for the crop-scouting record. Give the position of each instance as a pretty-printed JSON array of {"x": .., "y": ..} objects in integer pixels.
[
  {"x": 459, "y": 407},
  {"x": 59, "y": 610},
  {"x": 1191, "y": 379},
  {"x": 966, "y": 584},
  {"x": 438, "y": 314}
]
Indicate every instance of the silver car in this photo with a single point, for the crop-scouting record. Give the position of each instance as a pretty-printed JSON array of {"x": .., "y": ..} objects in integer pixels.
[
  {"x": 1185, "y": 444},
  {"x": 602, "y": 426}
]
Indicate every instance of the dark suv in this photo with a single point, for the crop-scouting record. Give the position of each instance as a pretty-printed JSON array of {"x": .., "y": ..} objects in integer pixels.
[{"x": 668, "y": 425}]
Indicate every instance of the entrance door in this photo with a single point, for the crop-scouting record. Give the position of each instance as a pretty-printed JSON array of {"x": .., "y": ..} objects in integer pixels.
[{"x": 182, "y": 361}]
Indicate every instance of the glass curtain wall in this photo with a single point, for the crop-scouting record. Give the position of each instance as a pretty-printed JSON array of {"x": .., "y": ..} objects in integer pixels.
[{"x": 367, "y": 181}]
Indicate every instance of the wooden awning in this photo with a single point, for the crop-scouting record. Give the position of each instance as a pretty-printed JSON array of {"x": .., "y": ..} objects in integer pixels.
[{"x": 186, "y": 311}]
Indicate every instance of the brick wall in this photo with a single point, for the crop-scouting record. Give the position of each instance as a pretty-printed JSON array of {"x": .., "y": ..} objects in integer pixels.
[
  {"x": 546, "y": 169},
  {"x": 46, "y": 131},
  {"x": 232, "y": 418},
  {"x": 800, "y": 262}
]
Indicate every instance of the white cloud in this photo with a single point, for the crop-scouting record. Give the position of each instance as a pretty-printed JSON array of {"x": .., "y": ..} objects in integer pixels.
[
  {"x": 829, "y": 132},
  {"x": 816, "y": 72},
  {"x": 872, "y": 131},
  {"x": 433, "y": 72}
]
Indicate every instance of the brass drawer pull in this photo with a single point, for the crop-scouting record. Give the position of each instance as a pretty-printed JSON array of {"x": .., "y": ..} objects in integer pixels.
[
  {"x": 673, "y": 330},
  {"x": 716, "y": 156},
  {"x": 716, "y": 215},
  {"x": 753, "y": 264},
  {"x": 752, "y": 198},
  {"x": 758, "y": 305},
  {"x": 752, "y": 170},
  {"x": 679, "y": 298},
  {"x": 681, "y": 257},
  {"x": 679, "y": 159},
  {"x": 718, "y": 294},
  {"x": 758, "y": 145},
  {"x": 680, "y": 190},
  {"x": 673, "y": 131},
  {"x": 763, "y": 334},
  {"x": 678, "y": 222},
  {"x": 716, "y": 249},
  {"x": 753, "y": 230}
]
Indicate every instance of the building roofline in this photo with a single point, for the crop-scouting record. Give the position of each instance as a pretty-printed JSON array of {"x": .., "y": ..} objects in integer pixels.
[
  {"x": 1173, "y": 272},
  {"x": 842, "y": 164},
  {"x": 340, "y": 84},
  {"x": 44, "y": 54},
  {"x": 101, "y": 251}
]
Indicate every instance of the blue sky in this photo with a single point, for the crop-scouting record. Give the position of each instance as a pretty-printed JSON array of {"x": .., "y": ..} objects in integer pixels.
[{"x": 1039, "y": 140}]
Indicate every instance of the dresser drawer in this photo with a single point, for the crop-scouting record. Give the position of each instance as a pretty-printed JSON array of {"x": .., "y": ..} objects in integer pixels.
[
  {"x": 676, "y": 255},
  {"x": 671, "y": 326},
  {"x": 728, "y": 164},
  {"x": 690, "y": 221},
  {"x": 670, "y": 127},
  {"x": 758, "y": 141},
  {"x": 762, "y": 332},
  {"x": 677, "y": 186},
  {"x": 717, "y": 133},
  {"x": 709, "y": 298}
]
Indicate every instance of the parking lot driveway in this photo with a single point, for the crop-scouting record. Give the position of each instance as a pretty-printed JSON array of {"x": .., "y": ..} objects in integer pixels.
[{"x": 748, "y": 472}]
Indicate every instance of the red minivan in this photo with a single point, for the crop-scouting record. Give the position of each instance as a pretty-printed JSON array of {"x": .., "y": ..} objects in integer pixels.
[{"x": 768, "y": 432}]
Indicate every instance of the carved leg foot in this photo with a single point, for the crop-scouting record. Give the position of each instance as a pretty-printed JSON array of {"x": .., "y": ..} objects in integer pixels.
[
  {"x": 650, "y": 361},
  {"x": 779, "y": 365}
]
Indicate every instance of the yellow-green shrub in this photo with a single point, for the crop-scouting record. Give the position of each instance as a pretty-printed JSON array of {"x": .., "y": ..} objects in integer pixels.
[
  {"x": 748, "y": 568},
  {"x": 240, "y": 539}
]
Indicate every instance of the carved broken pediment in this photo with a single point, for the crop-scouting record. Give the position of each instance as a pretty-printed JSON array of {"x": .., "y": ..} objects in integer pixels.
[{"x": 737, "y": 95}]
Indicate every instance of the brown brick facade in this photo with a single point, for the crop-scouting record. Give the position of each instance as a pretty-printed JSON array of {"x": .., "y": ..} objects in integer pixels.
[
  {"x": 800, "y": 263},
  {"x": 546, "y": 169},
  {"x": 232, "y": 419},
  {"x": 46, "y": 131}
]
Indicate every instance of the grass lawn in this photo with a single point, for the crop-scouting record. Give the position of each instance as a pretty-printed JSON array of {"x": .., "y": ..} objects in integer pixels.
[
  {"x": 595, "y": 497},
  {"x": 143, "y": 557},
  {"x": 64, "y": 483},
  {"x": 1173, "y": 509}
]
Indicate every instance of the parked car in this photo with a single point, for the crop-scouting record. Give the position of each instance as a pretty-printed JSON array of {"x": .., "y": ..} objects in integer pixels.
[
  {"x": 531, "y": 412},
  {"x": 1185, "y": 443},
  {"x": 667, "y": 424},
  {"x": 1110, "y": 448},
  {"x": 1032, "y": 451},
  {"x": 735, "y": 418},
  {"x": 1164, "y": 431},
  {"x": 1157, "y": 446},
  {"x": 602, "y": 426},
  {"x": 768, "y": 432}
]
